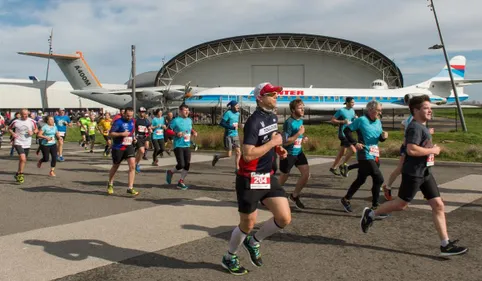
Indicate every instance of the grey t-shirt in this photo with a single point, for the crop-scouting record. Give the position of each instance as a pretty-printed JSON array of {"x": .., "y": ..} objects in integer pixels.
[{"x": 417, "y": 134}]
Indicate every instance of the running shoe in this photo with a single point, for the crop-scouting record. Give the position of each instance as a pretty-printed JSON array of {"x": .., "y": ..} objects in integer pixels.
[
  {"x": 196, "y": 147},
  {"x": 110, "y": 189},
  {"x": 181, "y": 185},
  {"x": 297, "y": 202},
  {"x": 253, "y": 251},
  {"x": 380, "y": 216},
  {"x": 52, "y": 174},
  {"x": 215, "y": 159},
  {"x": 105, "y": 153},
  {"x": 144, "y": 157},
  {"x": 61, "y": 158},
  {"x": 366, "y": 221},
  {"x": 155, "y": 163},
  {"x": 344, "y": 170},
  {"x": 132, "y": 191},
  {"x": 169, "y": 176},
  {"x": 451, "y": 249},
  {"x": 39, "y": 164},
  {"x": 20, "y": 178},
  {"x": 138, "y": 169},
  {"x": 334, "y": 172},
  {"x": 387, "y": 193},
  {"x": 232, "y": 265},
  {"x": 346, "y": 205}
]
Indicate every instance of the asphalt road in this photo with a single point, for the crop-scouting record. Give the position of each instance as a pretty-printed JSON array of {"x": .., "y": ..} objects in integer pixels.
[{"x": 68, "y": 228}]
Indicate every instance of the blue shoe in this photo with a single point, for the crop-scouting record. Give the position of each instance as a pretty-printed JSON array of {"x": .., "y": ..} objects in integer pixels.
[
  {"x": 138, "y": 169},
  {"x": 168, "y": 176},
  {"x": 253, "y": 251},
  {"x": 61, "y": 158}
]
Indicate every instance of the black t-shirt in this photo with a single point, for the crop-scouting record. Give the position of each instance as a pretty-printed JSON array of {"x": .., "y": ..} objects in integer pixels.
[
  {"x": 142, "y": 127},
  {"x": 417, "y": 134},
  {"x": 258, "y": 130}
]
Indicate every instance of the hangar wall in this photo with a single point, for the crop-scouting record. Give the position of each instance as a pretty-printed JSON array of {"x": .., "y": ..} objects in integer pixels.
[{"x": 287, "y": 68}]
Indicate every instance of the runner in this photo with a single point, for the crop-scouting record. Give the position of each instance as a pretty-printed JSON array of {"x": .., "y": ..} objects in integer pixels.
[
  {"x": 182, "y": 127},
  {"x": 387, "y": 190},
  {"x": 168, "y": 138},
  {"x": 22, "y": 130},
  {"x": 158, "y": 127},
  {"x": 48, "y": 136},
  {"x": 82, "y": 123},
  {"x": 91, "y": 127},
  {"x": 122, "y": 134},
  {"x": 40, "y": 123},
  {"x": 143, "y": 126},
  {"x": 62, "y": 121},
  {"x": 230, "y": 122},
  {"x": 2, "y": 129},
  {"x": 342, "y": 118},
  {"x": 417, "y": 175},
  {"x": 15, "y": 117},
  {"x": 293, "y": 131},
  {"x": 119, "y": 115},
  {"x": 255, "y": 181},
  {"x": 370, "y": 132},
  {"x": 104, "y": 127}
]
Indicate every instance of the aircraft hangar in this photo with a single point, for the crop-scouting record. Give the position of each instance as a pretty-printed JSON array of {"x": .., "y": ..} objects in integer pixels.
[{"x": 287, "y": 59}]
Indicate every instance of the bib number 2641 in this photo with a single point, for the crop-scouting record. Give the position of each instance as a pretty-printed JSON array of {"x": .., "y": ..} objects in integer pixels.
[{"x": 260, "y": 181}]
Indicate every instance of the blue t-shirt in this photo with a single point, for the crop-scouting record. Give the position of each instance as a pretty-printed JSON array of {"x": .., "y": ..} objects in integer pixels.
[
  {"x": 158, "y": 130},
  {"x": 344, "y": 114},
  {"x": 369, "y": 133},
  {"x": 51, "y": 133},
  {"x": 119, "y": 126},
  {"x": 231, "y": 119},
  {"x": 61, "y": 122},
  {"x": 290, "y": 128},
  {"x": 183, "y": 125}
]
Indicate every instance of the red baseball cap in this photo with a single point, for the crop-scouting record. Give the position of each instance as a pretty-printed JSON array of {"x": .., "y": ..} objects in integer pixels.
[{"x": 264, "y": 88}]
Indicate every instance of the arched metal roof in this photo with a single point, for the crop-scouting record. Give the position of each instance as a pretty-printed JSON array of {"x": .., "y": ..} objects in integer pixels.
[{"x": 281, "y": 41}]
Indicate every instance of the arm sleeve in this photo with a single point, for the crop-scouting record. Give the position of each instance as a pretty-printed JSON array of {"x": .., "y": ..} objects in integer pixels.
[
  {"x": 250, "y": 133},
  {"x": 351, "y": 128}
]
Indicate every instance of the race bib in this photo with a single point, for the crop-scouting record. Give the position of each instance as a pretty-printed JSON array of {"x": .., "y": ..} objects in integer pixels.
[
  {"x": 260, "y": 181},
  {"x": 62, "y": 134},
  {"x": 235, "y": 125},
  {"x": 430, "y": 160},
  {"x": 142, "y": 129},
  {"x": 51, "y": 141},
  {"x": 374, "y": 151},
  {"x": 159, "y": 132},
  {"x": 127, "y": 141},
  {"x": 297, "y": 143},
  {"x": 187, "y": 137}
]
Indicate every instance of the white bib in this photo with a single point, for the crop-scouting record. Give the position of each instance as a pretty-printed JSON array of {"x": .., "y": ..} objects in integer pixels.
[
  {"x": 374, "y": 151},
  {"x": 159, "y": 132},
  {"x": 187, "y": 137},
  {"x": 51, "y": 141},
  {"x": 142, "y": 129},
  {"x": 298, "y": 143},
  {"x": 127, "y": 141},
  {"x": 260, "y": 181},
  {"x": 430, "y": 160},
  {"x": 62, "y": 134}
]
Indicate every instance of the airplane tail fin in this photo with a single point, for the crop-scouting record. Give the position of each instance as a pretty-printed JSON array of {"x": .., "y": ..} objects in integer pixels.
[
  {"x": 457, "y": 67},
  {"x": 74, "y": 67}
]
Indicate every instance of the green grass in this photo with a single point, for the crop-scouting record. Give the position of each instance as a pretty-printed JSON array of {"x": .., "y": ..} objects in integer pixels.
[{"x": 456, "y": 146}]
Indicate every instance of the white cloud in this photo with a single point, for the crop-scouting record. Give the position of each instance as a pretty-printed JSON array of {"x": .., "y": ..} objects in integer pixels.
[{"x": 104, "y": 30}]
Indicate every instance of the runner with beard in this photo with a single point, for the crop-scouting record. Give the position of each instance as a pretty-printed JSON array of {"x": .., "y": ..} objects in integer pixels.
[{"x": 255, "y": 181}]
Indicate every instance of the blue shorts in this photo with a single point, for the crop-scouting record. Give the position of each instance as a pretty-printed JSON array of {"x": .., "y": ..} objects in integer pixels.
[{"x": 403, "y": 150}]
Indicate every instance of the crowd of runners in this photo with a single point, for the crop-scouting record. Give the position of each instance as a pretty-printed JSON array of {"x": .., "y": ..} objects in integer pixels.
[{"x": 255, "y": 163}]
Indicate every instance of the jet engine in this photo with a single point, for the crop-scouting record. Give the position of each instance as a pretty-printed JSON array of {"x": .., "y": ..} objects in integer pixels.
[{"x": 149, "y": 96}]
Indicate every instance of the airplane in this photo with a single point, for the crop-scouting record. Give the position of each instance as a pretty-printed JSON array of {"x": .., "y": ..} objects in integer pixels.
[
  {"x": 438, "y": 88},
  {"x": 86, "y": 85}
]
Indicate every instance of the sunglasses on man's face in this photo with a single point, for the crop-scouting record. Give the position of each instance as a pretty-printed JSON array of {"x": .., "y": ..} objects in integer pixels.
[{"x": 272, "y": 94}]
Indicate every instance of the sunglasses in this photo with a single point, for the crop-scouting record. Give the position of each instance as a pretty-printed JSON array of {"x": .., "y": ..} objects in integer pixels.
[{"x": 272, "y": 94}]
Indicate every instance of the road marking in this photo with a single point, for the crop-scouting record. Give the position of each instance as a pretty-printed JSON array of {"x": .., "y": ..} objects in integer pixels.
[
  {"x": 58, "y": 251},
  {"x": 461, "y": 191}
]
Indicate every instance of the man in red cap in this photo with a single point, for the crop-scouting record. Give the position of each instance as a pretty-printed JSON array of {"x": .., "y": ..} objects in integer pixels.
[{"x": 255, "y": 181}]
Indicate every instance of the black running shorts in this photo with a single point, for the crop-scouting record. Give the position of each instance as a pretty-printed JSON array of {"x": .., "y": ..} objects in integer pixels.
[
  {"x": 21, "y": 150},
  {"x": 285, "y": 165},
  {"x": 344, "y": 142},
  {"x": 410, "y": 186},
  {"x": 107, "y": 138},
  {"x": 141, "y": 141},
  {"x": 119, "y": 155},
  {"x": 248, "y": 198}
]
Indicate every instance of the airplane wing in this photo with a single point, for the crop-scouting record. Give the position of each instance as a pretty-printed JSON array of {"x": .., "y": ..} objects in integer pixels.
[{"x": 467, "y": 82}]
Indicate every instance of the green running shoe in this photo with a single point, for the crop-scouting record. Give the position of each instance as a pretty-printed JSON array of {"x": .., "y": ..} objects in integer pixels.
[{"x": 232, "y": 265}]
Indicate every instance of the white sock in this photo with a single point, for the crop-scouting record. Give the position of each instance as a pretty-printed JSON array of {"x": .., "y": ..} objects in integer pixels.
[
  {"x": 269, "y": 228},
  {"x": 237, "y": 237},
  {"x": 444, "y": 243},
  {"x": 183, "y": 174}
]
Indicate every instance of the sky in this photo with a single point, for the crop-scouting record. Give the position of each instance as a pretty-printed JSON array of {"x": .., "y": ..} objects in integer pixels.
[{"x": 104, "y": 31}]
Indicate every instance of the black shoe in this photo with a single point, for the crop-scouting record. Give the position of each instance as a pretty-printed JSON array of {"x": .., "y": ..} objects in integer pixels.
[
  {"x": 334, "y": 172},
  {"x": 344, "y": 170},
  {"x": 215, "y": 160},
  {"x": 451, "y": 249},
  {"x": 232, "y": 265},
  {"x": 346, "y": 205},
  {"x": 253, "y": 251},
  {"x": 366, "y": 221},
  {"x": 297, "y": 202}
]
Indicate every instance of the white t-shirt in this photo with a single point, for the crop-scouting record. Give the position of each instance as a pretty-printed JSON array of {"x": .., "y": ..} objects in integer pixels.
[{"x": 21, "y": 128}]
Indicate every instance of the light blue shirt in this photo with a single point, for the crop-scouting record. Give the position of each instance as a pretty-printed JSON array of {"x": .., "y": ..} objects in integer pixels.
[
  {"x": 158, "y": 130},
  {"x": 369, "y": 133},
  {"x": 344, "y": 114},
  {"x": 183, "y": 125},
  {"x": 291, "y": 128},
  {"x": 49, "y": 132},
  {"x": 231, "y": 118},
  {"x": 61, "y": 122}
]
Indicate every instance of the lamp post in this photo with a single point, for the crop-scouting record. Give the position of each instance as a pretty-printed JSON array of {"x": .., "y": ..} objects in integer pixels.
[
  {"x": 133, "y": 69},
  {"x": 449, "y": 68}
]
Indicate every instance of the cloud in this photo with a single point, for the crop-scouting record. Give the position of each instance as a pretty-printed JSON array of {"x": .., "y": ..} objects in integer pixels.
[{"x": 104, "y": 30}]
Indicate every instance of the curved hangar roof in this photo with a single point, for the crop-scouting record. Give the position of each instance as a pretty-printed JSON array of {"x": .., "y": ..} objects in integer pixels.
[{"x": 291, "y": 60}]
